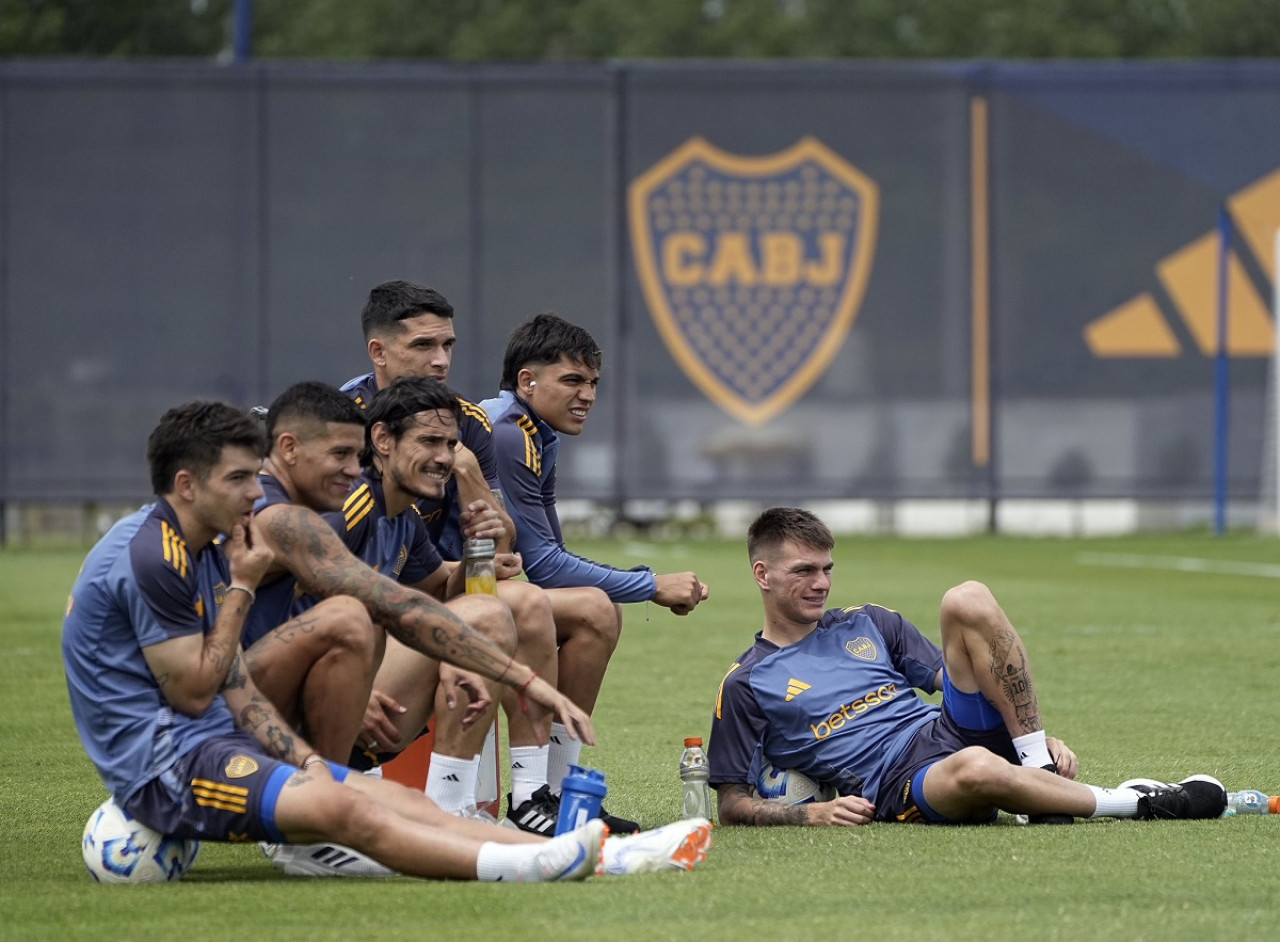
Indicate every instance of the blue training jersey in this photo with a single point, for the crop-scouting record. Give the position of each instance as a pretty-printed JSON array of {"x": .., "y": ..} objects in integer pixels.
[
  {"x": 399, "y": 547},
  {"x": 139, "y": 586},
  {"x": 442, "y": 515},
  {"x": 837, "y": 705},
  {"x": 526, "y": 450},
  {"x": 274, "y": 603}
]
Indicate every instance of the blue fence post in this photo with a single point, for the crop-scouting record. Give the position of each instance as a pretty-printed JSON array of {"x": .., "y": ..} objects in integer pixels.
[{"x": 242, "y": 30}]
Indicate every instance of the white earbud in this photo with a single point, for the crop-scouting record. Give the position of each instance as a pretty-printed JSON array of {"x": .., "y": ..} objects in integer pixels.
[{"x": 532, "y": 384}]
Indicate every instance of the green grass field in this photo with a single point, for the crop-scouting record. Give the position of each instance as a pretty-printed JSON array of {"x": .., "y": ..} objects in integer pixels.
[{"x": 1143, "y": 667}]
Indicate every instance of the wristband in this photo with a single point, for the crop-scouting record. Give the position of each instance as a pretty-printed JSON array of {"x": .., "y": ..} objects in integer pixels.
[
  {"x": 245, "y": 589},
  {"x": 311, "y": 757},
  {"x": 524, "y": 707}
]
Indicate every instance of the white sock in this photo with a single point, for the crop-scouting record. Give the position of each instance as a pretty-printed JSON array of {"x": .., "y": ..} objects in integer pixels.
[
  {"x": 528, "y": 772},
  {"x": 564, "y": 752},
  {"x": 451, "y": 781},
  {"x": 1115, "y": 802},
  {"x": 1032, "y": 750},
  {"x": 503, "y": 861}
]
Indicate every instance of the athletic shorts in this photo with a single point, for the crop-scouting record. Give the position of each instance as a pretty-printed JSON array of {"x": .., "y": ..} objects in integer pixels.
[
  {"x": 223, "y": 790},
  {"x": 901, "y": 796}
]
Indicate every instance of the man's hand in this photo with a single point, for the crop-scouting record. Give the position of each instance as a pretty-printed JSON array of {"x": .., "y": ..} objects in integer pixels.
[
  {"x": 1066, "y": 761},
  {"x": 248, "y": 556},
  {"x": 572, "y": 717},
  {"x": 457, "y": 684},
  {"x": 379, "y": 732},
  {"x": 480, "y": 520},
  {"x": 681, "y": 592},
  {"x": 507, "y": 565},
  {"x": 847, "y": 811}
]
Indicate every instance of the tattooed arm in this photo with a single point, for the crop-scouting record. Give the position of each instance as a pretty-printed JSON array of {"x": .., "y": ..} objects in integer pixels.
[
  {"x": 738, "y": 806},
  {"x": 190, "y": 669},
  {"x": 256, "y": 715},
  {"x": 322, "y": 564}
]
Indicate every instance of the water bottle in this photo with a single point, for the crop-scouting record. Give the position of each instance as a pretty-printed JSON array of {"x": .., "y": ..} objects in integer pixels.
[
  {"x": 581, "y": 794},
  {"x": 481, "y": 578},
  {"x": 696, "y": 776},
  {"x": 1251, "y": 801}
]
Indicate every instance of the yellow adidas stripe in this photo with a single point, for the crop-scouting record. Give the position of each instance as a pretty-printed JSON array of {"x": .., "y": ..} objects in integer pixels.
[
  {"x": 473, "y": 410},
  {"x": 219, "y": 786},
  {"x": 358, "y": 505}
]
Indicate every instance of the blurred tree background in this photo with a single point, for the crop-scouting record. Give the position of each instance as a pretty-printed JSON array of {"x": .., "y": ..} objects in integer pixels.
[{"x": 587, "y": 30}]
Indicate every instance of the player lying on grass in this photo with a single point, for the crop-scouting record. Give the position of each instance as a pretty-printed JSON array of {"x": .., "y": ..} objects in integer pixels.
[
  {"x": 187, "y": 745},
  {"x": 829, "y": 693}
]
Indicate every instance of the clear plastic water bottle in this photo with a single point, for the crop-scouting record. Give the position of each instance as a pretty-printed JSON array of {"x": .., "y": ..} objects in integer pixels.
[
  {"x": 696, "y": 775},
  {"x": 481, "y": 578},
  {"x": 1251, "y": 801}
]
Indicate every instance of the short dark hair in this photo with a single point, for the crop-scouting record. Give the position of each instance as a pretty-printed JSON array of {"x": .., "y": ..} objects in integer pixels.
[
  {"x": 778, "y": 525},
  {"x": 396, "y": 405},
  {"x": 392, "y": 301},
  {"x": 312, "y": 402},
  {"x": 192, "y": 436},
  {"x": 544, "y": 340}
]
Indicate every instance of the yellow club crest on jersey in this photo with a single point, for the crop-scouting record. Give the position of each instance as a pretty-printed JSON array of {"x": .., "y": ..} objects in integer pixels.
[
  {"x": 241, "y": 766},
  {"x": 753, "y": 268},
  {"x": 863, "y": 648}
]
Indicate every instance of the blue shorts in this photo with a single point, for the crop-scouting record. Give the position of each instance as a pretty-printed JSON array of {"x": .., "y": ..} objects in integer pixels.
[
  {"x": 967, "y": 719},
  {"x": 223, "y": 790}
]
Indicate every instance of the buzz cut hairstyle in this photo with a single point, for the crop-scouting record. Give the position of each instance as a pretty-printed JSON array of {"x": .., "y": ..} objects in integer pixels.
[
  {"x": 193, "y": 436},
  {"x": 543, "y": 341},
  {"x": 392, "y": 301},
  {"x": 396, "y": 405},
  {"x": 311, "y": 404},
  {"x": 779, "y": 525}
]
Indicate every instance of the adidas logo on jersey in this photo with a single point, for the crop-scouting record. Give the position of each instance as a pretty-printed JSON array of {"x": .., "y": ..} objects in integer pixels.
[{"x": 795, "y": 688}]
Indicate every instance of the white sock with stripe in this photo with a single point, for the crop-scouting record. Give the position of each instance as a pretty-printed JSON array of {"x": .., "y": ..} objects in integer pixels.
[
  {"x": 451, "y": 781},
  {"x": 528, "y": 772},
  {"x": 563, "y": 753}
]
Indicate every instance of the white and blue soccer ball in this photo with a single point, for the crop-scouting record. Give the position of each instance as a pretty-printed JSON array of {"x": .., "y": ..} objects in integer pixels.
[
  {"x": 121, "y": 849},
  {"x": 789, "y": 787}
]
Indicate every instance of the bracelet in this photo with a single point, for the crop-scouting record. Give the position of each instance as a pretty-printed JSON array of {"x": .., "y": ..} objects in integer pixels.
[
  {"x": 524, "y": 707},
  {"x": 311, "y": 757},
  {"x": 245, "y": 589}
]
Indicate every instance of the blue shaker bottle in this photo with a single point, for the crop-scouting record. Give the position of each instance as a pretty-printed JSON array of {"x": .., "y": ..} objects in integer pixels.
[{"x": 581, "y": 795}]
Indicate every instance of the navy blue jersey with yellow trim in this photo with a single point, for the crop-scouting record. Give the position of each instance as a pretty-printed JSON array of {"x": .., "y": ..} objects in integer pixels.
[
  {"x": 838, "y": 705},
  {"x": 139, "y": 586},
  {"x": 526, "y": 448},
  {"x": 475, "y": 432},
  {"x": 274, "y": 603},
  {"x": 399, "y": 547}
]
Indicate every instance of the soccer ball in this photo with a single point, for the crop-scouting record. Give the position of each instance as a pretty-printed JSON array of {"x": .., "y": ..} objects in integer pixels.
[
  {"x": 120, "y": 849},
  {"x": 789, "y": 787}
]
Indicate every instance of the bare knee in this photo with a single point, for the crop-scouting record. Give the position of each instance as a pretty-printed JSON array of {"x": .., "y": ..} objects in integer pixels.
[
  {"x": 344, "y": 622},
  {"x": 590, "y": 615},
  {"x": 489, "y": 617},
  {"x": 969, "y": 603},
  {"x": 980, "y": 773},
  {"x": 531, "y": 612}
]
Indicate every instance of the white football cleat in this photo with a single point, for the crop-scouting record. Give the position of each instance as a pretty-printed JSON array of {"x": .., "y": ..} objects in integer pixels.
[
  {"x": 323, "y": 860},
  {"x": 573, "y": 856},
  {"x": 679, "y": 846}
]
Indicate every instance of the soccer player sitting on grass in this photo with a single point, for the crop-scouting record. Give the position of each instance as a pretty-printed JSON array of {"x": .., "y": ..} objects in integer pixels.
[
  {"x": 828, "y": 693},
  {"x": 408, "y": 331},
  {"x": 187, "y": 744}
]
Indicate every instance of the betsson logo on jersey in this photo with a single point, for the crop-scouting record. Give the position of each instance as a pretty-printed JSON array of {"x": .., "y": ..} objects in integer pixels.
[
  {"x": 849, "y": 712},
  {"x": 753, "y": 268}
]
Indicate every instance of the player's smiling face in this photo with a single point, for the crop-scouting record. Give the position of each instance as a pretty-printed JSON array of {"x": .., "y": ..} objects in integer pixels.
[
  {"x": 796, "y": 581},
  {"x": 422, "y": 347},
  {"x": 327, "y": 465},
  {"x": 562, "y": 393},
  {"x": 420, "y": 462}
]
